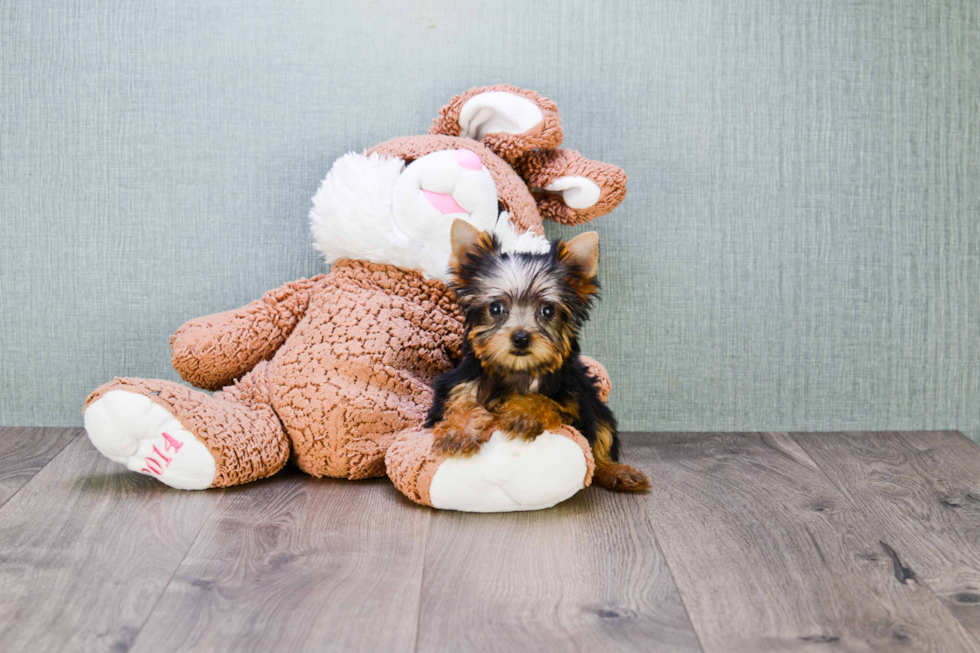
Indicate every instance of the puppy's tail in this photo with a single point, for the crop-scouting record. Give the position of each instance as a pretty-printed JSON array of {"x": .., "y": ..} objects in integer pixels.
[{"x": 620, "y": 478}]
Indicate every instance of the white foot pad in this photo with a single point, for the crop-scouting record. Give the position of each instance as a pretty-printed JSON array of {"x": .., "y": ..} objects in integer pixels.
[
  {"x": 128, "y": 428},
  {"x": 510, "y": 474}
]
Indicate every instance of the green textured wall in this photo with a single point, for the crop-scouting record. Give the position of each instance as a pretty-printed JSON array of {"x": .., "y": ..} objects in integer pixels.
[{"x": 800, "y": 248}]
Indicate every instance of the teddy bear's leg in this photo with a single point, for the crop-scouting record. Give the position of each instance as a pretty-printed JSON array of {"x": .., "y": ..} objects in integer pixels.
[
  {"x": 185, "y": 438},
  {"x": 506, "y": 474}
]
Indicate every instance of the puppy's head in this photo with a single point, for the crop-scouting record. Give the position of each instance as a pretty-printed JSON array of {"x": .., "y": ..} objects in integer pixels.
[{"x": 523, "y": 311}]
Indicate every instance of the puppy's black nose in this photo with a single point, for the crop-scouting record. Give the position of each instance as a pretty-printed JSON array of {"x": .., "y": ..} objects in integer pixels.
[{"x": 521, "y": 339}]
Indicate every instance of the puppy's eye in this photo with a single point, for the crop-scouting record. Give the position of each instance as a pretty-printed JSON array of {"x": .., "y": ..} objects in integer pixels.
[
  {"x": 496, "y": 309},
  {"x": 547, "y": 311}
]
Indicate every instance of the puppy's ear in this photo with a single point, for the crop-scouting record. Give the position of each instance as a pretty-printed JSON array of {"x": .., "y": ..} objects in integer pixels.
[
  {"x": 584, "y": 250},
  {"x": 509, "y": 120},
  {"x": 464, "y": 238},
  {"x": 569, "y": 188}
]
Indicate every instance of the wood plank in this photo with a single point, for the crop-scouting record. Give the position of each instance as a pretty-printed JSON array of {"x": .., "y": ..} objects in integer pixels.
[
  {"x": 921, "y": 493},
  {"x": 769, "y": 555},
  {"x": 950, "y": 461},
  {"x": 586, "y": 575},
  {"x": 86, "y": 549},
  {"x": 298, "y": 564},
  {"x": 24, "y": 451}
]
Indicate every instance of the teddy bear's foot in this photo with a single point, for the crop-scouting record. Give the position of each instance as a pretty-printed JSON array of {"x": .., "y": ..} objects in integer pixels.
[
  {"x": 129, "y": 428},
  {"x": 188, "y": 439},
  {"x": 506, "y": 474}
]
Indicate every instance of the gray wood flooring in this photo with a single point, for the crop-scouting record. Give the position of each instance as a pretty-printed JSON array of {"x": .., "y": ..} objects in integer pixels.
[{"x": 749, "y": 542}]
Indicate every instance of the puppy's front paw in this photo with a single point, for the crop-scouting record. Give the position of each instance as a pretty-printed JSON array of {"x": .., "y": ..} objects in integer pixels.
[
  {"x": 527, "y": 416},
  {"x": 462, "y": 434}
]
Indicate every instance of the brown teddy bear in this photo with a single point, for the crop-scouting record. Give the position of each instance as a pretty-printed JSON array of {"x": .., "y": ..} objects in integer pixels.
[{"x": 334, "y": 372}]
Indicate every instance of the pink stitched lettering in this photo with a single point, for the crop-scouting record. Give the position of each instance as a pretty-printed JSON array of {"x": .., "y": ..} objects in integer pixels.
[
  {"x": 150, "y": 462},
  {"x": 154, "y": 466},
  {"x": 172, "y": 443},
  {"x": 167, "y": 460}
]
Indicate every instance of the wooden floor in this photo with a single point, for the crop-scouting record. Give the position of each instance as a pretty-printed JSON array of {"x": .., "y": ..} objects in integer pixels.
[{"x": 748, "y": 542}]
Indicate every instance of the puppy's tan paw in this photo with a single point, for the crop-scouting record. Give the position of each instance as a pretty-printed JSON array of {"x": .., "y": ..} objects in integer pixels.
[
  {"x": 462, "y": 434},
  {"x": 527, "y": 416}
]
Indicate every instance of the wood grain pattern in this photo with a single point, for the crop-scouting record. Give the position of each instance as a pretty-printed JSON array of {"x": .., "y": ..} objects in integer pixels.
[
  {"x": 295, "y": 563},
  {"x": 769, "y": 555},
  {"x": 770, "y": 542},
  {"x": 86, "y": 550},
  {"x": 921, "y": 493},
  {"x": 24, "y": 451},
  {"x": 586, "y": 575}
]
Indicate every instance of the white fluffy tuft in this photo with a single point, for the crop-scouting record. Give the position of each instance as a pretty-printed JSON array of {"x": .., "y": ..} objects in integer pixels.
[{"x": 352, "y": 218}]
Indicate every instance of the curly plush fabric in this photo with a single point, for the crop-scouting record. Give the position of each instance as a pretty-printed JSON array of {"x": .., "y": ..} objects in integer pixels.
[
  {"x": 546, "y": 134},
  {"x": 359, "y": 368},
  {"x": 541, "y": 168},
  {"x": 411, "y": 463},
  {"x": 213, "y": 351},
  {"x": 599, "y": 373}
]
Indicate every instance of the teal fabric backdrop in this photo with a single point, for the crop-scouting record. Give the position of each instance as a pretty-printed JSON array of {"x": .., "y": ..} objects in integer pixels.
[{"x": 800, "y": 247}]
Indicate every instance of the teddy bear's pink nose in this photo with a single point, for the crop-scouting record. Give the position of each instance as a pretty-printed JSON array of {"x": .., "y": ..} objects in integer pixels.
[{"x": 468, "y": 160}]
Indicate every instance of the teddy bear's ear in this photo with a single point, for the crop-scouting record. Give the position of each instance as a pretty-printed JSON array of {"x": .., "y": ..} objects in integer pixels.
[
  {"x": 508, "y": 120},
  {"x": 569, "y": 188}
]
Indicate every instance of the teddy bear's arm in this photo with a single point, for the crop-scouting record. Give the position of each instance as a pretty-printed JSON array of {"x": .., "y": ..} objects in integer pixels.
[
  {"x": 598, "y": 372},
  {"x": 212, "y": 351}
]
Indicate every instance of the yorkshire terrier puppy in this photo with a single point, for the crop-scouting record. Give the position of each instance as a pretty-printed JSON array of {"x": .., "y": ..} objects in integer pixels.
[{"x": 521, "y": 372}]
